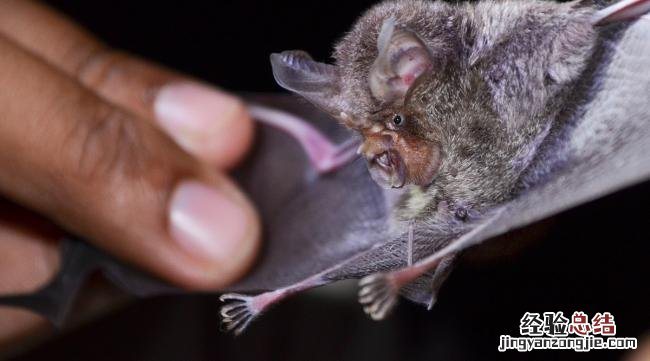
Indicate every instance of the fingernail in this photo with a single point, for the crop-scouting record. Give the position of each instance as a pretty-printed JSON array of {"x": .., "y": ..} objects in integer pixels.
[
  {"x": 209, "y": 224},
  {"x": 192, "y": 113}
]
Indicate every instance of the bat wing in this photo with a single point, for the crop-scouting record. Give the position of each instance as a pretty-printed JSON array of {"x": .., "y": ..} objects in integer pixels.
[{"x": 311, "y": 221}]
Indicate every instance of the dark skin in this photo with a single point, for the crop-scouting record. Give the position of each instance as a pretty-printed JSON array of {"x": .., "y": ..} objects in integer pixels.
[{"x": 122, "y": 152}]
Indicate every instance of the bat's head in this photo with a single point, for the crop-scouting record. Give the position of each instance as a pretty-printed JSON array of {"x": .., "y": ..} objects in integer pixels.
[
  {"x": 439, "y": 89},
  {"x": 398, "y": 151}
]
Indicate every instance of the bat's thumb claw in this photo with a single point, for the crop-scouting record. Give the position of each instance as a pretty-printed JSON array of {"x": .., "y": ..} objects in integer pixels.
[{"x": 378, "y": 295}]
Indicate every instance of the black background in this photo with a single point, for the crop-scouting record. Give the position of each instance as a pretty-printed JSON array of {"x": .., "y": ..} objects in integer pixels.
[
  {"x": 592, "y": 259},
  {"x": 224, "y": 42}
]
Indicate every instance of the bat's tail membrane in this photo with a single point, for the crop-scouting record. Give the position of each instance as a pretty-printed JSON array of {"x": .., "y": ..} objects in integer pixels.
[{"x": 622, "y": 10}]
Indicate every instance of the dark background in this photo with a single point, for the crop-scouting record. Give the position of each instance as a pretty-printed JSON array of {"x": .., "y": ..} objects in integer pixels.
[
  {"x": 592, "y": 259},
  {"x": 224, "y": 42}
]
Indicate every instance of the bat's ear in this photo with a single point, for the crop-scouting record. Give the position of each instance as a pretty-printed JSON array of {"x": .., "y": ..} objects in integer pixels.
[
  {"x": 317, "y": 82},
  {"x": 402, "y": 59}
]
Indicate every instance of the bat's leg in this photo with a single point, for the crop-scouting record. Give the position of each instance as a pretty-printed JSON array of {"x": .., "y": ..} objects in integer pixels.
[
  {"x": 324, "y": 155},
  {"x": 440, "y": 276},
  {"x": 409, "y": 248},
  {"x": 239, "y": 310},
  {"x": 375, "y": 292},
  {"x": 622, "y": 10},
  {"x": 378, "y": 293}
]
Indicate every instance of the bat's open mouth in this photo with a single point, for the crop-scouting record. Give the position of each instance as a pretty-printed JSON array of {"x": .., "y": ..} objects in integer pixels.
[{"x": 387, "y": 169}]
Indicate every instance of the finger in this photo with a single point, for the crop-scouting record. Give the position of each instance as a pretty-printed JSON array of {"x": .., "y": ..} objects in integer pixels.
[
  {"x": 206, "y": 122},
  {"x": 29, "y": 250},
  {"x": 30, "y": 258},
  {"x": 118, "y": 181},
  {"x": 642, "y": 353}
]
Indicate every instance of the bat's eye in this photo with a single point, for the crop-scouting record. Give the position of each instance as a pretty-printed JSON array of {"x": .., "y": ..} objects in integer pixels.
[{"x": 398, "y": 120}]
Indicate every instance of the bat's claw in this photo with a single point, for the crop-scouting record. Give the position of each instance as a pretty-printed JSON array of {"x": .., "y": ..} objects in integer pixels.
[
  {"x": 237, "y": 312},
  {"x": 378, "y": 294}
]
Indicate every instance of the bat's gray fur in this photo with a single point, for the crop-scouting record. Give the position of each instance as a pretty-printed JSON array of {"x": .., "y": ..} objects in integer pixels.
[{"x": 505, "y": 71}]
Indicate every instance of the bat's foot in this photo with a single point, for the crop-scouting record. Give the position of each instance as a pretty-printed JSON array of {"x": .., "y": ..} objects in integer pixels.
[
  {"x": 237, "y": 312},
  {"x": 378, "y": 294}
]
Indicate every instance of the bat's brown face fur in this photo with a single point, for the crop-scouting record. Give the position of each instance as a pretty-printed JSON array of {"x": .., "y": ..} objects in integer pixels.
[
  {"x": 452, "y": 100},
  {"x": 396, "y": 155}
]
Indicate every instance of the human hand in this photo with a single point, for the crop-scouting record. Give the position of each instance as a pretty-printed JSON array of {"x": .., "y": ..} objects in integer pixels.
[{"x": 83, "y": 149}]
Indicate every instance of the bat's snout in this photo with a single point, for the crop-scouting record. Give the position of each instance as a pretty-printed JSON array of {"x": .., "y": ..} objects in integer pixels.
[
  {"x": 387, "y": 169},
  {"x": 385, "y": 164}
]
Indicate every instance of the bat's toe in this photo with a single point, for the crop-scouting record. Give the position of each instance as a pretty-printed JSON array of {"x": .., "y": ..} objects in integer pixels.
[
  {"x": 236, "y": 313},
  {"x": 378, "y": 295}
]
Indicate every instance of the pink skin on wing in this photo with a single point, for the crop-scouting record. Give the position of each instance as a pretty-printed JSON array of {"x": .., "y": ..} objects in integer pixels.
[
  {"x": 324, "y": 155},
  {"x": 239, "y": 310}
]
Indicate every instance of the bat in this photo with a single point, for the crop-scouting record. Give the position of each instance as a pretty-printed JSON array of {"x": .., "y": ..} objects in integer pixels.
[
  {"x": 581, "y": 135},
  {"x": 461, "y": 108}
]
